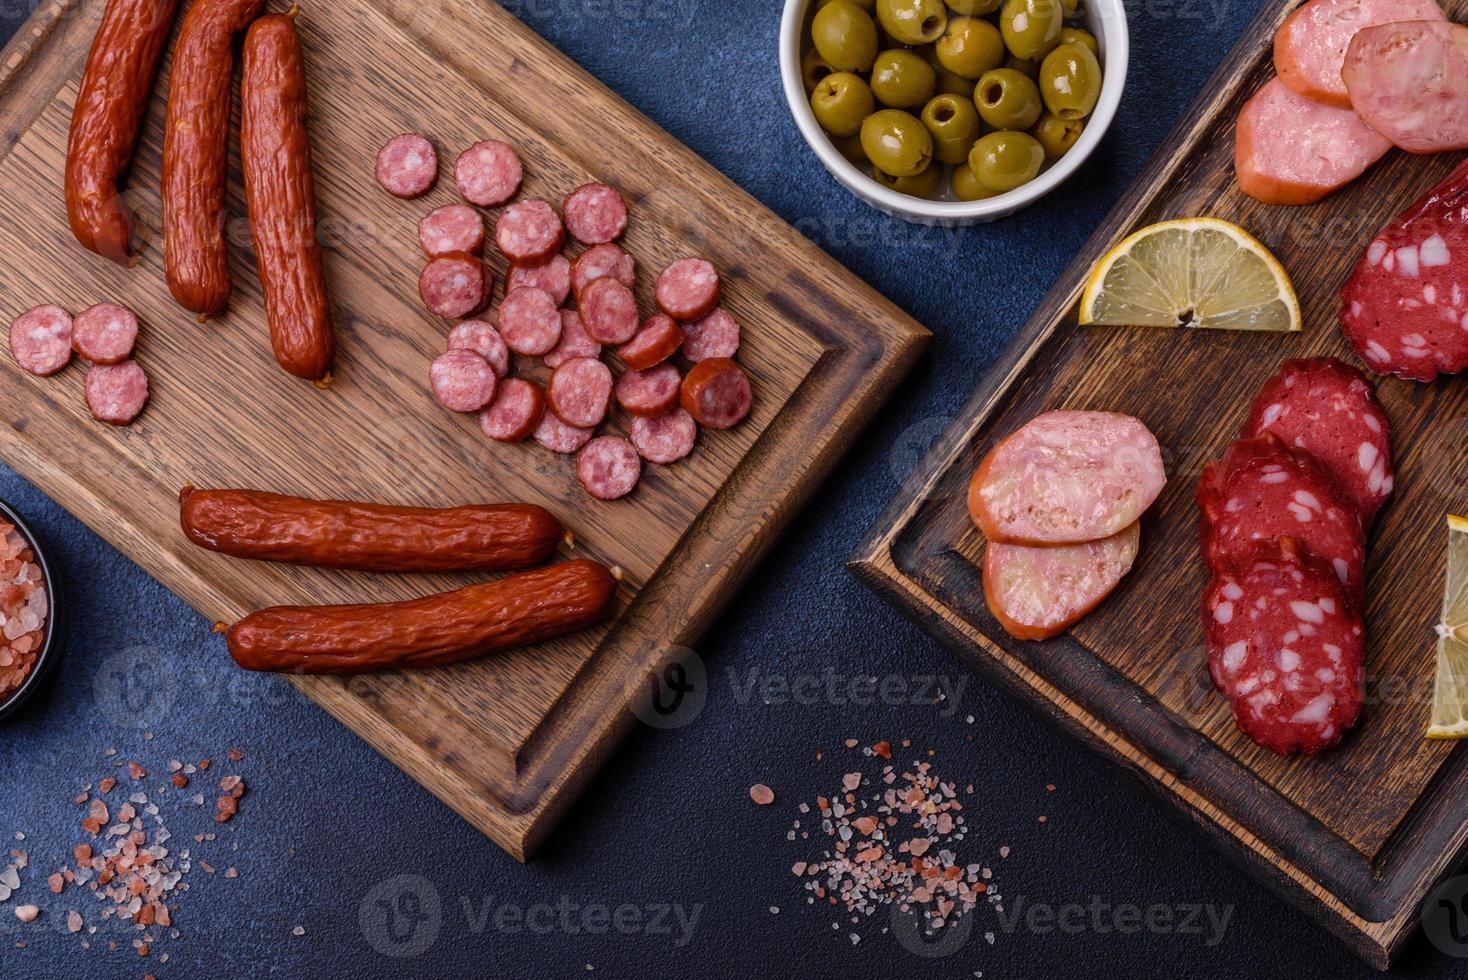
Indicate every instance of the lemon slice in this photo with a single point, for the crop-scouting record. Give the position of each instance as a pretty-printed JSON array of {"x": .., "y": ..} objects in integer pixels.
[
  {"x": 1191, "y": 272},
  {"x": 1450, "y": 690}
]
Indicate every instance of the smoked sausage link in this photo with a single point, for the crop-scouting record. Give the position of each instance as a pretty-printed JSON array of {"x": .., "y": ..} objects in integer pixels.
[
  {"x": 281, "y": 199},
  {"x": 368, "y": 537},
  {"x": 195, "y": 144},
  {"x": 438, "y": 629},
  {"x": 110, "y": 105}
]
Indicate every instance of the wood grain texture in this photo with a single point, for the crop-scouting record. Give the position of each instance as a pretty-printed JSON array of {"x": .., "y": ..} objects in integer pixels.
[
  {"x": 1358, "y": 835},
  {"x": 506, "y": 741}
]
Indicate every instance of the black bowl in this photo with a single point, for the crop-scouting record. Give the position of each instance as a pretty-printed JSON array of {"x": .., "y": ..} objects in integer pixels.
[{"x": 50, "y": 646}]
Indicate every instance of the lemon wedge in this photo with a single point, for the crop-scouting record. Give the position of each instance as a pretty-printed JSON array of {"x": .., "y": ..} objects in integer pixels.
[
  {"x": 1450, "y": 689},
  {"x": 1202, "y": 273}
]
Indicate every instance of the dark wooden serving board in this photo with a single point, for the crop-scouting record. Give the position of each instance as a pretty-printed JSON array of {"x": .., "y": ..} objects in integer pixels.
[
  {"x": 509, "y": 740},
  {"x": 1357, "y": 836}
]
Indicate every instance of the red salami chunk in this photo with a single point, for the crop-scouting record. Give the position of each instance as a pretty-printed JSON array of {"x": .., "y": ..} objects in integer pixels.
[
  {"x": 1066, "y": 477},
  {"x": 1329, "y": 410},
  {"x": 651, "y": 392},
  {"x": 515, "y": 412},
  {"x": 488, "y": 173},
  {"x": 553, "y": 275},
  {"x": 688, "y": 289},
  {"x": 559, "y": 437},
  {"x": 453, "y": 285},
  {"x": 104, "y": 333},
  {"x": 1405, "y": 307},
  {"x": 609, "y": 311},
  {"x": 655, "y": 341},
  {"x": 529, "y": 321},
  {"x": 595, "y": 214},
  {"x": 529, "y": 231},
  {"x": 116, "y": 393},
  {"x": 407, "y": 165},
  {"x": 601, "y": 261},
  {"x": 716, "y": 335},
  {"x": 1286, "y": 647},
  {"x": 1261, "y": 490},
  {"x": 579, "y": 391},
  {"x": 451, "y": 228},
  {"x": 1310, "y": 46},
  {"x": 40, "y": 339},
  {"x": 484, "y": 340},
  {"x": 1409, "y": 82},
  {"x": 462, "y": 380},
  {"x": 717, "y": 393},
  {"x": 608, "y": 467},
  {"x": 666, "y": 438},
  {"x": 574, "y": 342},
  {"x": 1037, "y": 593}
]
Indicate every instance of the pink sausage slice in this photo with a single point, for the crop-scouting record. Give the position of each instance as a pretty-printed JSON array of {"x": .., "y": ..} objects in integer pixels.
[
  {"x": 608, "y": 467},
  {"x": 488, "y": 173},
  {"x": 579, "y": 391},
  {"x": 574, "y": 342},
  {"x": 1037, "y": 593},
  {"x": 1409, "y": 82},
  {"x": 609, "y": 311},
  {"x": 529, "y": 321},
  {"x": 666, "y": 438},
  {"x": 40, "y": 339},
  {"x": 688, "y": 289},
  {"x": 600, "y": 261},
  {"x": 104, "y": 333},
  {"x": 451, "y": 228},
  {"x": 116, "y": 393},
  {"x": 595, "y": 214},
  {"x": 528, "y": 232},
  {"x": 484, "y": 340},
  {"x": 407, "y": 165},
  {"x": 1310, "y": 46},
  {"x": 553, "y": 275},
  {"x": 559, "y": 437},
  {"x": 462, "y": 380},
  {"x": 515, "y": 412},
  {"x": 1066, "y": 477},
  {"x": 453, "y": 285}
]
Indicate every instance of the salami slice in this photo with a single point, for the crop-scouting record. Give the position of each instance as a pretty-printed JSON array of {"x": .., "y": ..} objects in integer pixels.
[
  {"x": 529, "y": 231},
  {"x": 453, "y": 285},
  {"x": 451, "y": 228},
  {"x": 515, "y": 412},
  {"x": 1328, "y": 409},
  {"x": 1261, "y": 490},
  {"x": 462, "y": 380},
  {"x": 1037, "y": 593},
  {"x": 1405, "y": 307},
  {"x": 651, "y": 392},
  {"x": 715, "y": 335},
  {"x": 595, "y": 214},
  {"x": 609, "y": 311},
  {"x": 529, "y": 321},
  {"x": 688, "y": 289},
  {"x": 574, "y": 342},
  {"x": 407, "y": 165},
  {"x": 1409, "y": 82},
  {"x": 116, "y": 393},
  {"x": 717, "y": 393},
  {"x": 608, "y": 467},
  {"x": 1286, "y": 647},
  {"x": 559, "y": 437},
  {"x": 553, "y": 275},
  {"x": 666, "y": 438},
  {"x": 579, "y": 391},
  {"x": 488, "y": 173},
  {"x": 104, "y": 333},
  {"x": 40, "y": 339},
  {"x": 484, "y": 340},
  {"x": 1310, "y": 46},
  {"x": 1066, "y": 477},
  {"x": 655, "y": 341},
  {"x": 600, "y": 261}
]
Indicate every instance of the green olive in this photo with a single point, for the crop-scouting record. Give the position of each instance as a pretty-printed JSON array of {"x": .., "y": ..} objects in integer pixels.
[
  {"x": 925, "y": 184},
  {"x": 1057, "y": 135},
  {"x": 973, "y": 8},
  {"x": 947, "y": 81},
  {"x": 954, "y": 125},
  {"x": 1070, "y": 81},
  {"x": 1004, "y": 161},
  {"x": 1030, "y": 27},
  {"x": 970, "y": 47},
  {"x": 845, "y": 35},
  {"x": 1007, "y": 100},
  {"x": 850, "y": 148},
  {"x": 1025, "y": 66},
  {"x": 841, "y": 102},
  {"x": 913, "y": 21},
  {"x": 966, "y": 187},
  {"x": 903, "y": 79},
  {"x": 813, "y": 68},
  {"x": 897, "y": 142},
  {"x": 863, "y": 4},
  {"x": 1074, "y": 35}
]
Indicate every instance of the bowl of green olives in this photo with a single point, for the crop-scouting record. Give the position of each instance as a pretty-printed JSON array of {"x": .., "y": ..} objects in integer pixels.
[{"x": 952, "y": 112}]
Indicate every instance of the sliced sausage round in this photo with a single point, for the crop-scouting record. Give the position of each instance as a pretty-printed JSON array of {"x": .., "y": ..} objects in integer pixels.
[
  {"x": 1037, "y": 593},
  {"x": 715, "y": 335},
  {"x": 515, "y": 412},
  {"x": 104, "y": 333},
  {"x": 666, "y": 438},
  {"x": 553, "y": 275},
  {"x": 651, "y": 392},
  {"x": 609, "y": 311},
  {"x": 462, "y": 380},
  {"x": 451, "y": 228},
  {"x": 488, "y": 173},
  {"x": 1310, "y": 46},
  {"x": 579, "y": 391},
  {"x": 717, "y": 393},
  {"x": 407, "y": 165},
  {"x": 40, "y": 339},
  {"x": 595, "y": 214},
  {"x": 484, "y": 340},
  {"x": 116, "y": 393},
  {"x": 608, "y": 467},
  {"x": 688, "y": 289},
  {"x": 574, "y": 342},
  {"x": 453, "y": 286},
  {"x": 1409, "y": 82},
  {"x": 529, "y": 321},
  {"x": 529, "y": 231},
  {"x": 559, "y": 437},
  {"x": 655, "y": 341},
  {"x": 601, "y": 261}
]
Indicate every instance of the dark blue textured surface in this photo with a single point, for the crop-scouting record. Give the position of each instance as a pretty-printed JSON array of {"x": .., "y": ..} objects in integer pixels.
[{"x": 668, "y": 822}]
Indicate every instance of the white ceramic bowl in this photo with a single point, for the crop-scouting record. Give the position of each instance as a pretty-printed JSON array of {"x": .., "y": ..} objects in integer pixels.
[{"x": 1104, "y": 18}]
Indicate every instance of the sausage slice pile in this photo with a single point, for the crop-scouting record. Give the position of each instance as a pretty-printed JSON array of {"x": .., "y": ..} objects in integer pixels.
[{"x": 43, "y": 339}]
